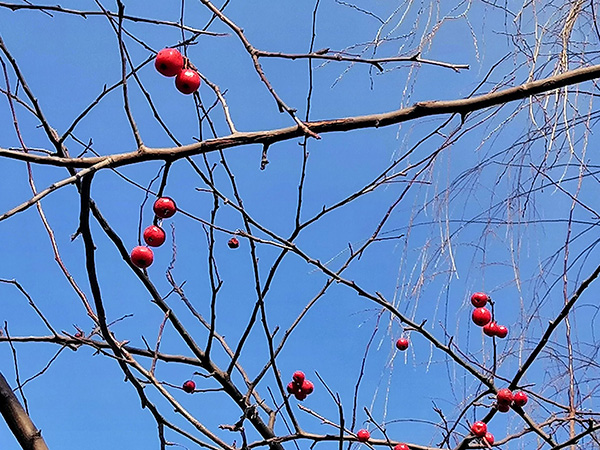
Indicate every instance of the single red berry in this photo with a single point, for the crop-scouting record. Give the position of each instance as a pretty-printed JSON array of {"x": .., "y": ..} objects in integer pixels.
[
  {"x": 187, "y": 81},
  {"x": 520, "y": 398},
  {"x": 504, "y": 396},
  {"x": 307, "y": 387},
  {"x": 165, "y": 207},
  {"x": 298, "y": 377},
  {"x": 292, "y": 387},
  {"x": 189, "y": 386},
  {"x": 233, "y": 243},
  {"x": 481, "y": 316},
  {"x": 402, "y": 344},
  {"x": 169, "y": 62},
  {"x": 363, "y": 435},
  {"x": 300, "y": 395},
  {"x": 501, "y": 331},
  {"x": 490, "y": 329},
  {"x": 401, "y": 447},
  {"x": 489, "y": 437},
  {"x": 154, "y": 236},
  {"x": 479, "y": 428},
  {"x": 479, "y": 299},
  {"x": 503, "y": 407},
  {"x": 141, "y": 256}
]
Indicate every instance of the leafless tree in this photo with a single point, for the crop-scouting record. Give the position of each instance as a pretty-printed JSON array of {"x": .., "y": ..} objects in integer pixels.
[{"x": 470, "y": 124}]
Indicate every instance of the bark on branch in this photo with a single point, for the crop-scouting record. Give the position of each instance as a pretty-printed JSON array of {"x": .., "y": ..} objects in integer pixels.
[
  {"x": 267, "y": 137},
  {"x": 28, "y": 436}
]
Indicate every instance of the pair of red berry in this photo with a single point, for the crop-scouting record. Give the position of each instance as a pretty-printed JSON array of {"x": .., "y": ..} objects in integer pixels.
[
  {"x": 171, "y": 63},
  {"x": 300, "y": 387},
  {"x": 364, "y": 435},
  {"x": 142, "y": 256},
  {"x": 483, "y": 317},
  {"x": 479, "y": 429},
  {"x": 506, "y": 397}
]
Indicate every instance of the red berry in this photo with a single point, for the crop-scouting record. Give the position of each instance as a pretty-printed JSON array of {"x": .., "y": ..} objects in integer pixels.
[
  {"x": 479, "y": 299},
  {"x": 300, "y": 395},
  {"x": 307, "y": 387},
  {"x": 189, "y": 386},
  {"x": 402, "y": 344},
  {"x": 503, "y": 407},
  {"x": 154, "y": 236},
  {"x": 479, "y": 429},
  {"x": 298, "y": 377},
  {"x": 504, "y": 396},
  {"x": 363, "y": 435},
  {"x": 481, "y": 316},
  {"x": 187, "y": 81},
  {"x": 169, "y": 62},
  {"x": 401, "y": 447},
  {"x": 489, "y": 437},
  {"x": 520, "y": 398},
  {"x": 141, "y": 256},
  {"x": 501, "y": 331},
  {"x": 491, "y": 329},
  {"x": 233, "y": 243},
  {"x": 292, "y": 388},
  {"x": 165, "y": 207}
]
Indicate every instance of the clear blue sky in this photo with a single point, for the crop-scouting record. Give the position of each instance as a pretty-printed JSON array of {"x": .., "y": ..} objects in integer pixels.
[{"x": 82, "y": 401}]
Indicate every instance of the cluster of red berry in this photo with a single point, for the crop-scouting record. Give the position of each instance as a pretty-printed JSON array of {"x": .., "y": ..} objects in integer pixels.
[
  {"x": 505, "y": 398},
  {"x": 300, "y": 387},
  {"x": 142, "y": 256},
  {"x": 171, "y": 63},
  {"x": 483, "y": 317},
  {"x": 479, "y": 429},
  {"x": 364, "y": 435}
]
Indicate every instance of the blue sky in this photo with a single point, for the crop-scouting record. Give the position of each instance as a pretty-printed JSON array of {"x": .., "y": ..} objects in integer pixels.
[{"x": 82, "y": 401}]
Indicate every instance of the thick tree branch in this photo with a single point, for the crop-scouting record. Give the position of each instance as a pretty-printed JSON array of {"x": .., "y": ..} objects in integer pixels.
[
  {"x": 421, "y": 109},
  {"x": 28, "y": 436}
]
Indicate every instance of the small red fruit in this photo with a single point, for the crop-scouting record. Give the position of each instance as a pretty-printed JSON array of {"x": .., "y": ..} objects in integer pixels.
[
  {"x": 363, "y": 435},
  {"x": 292, "y": 388},
  {"x": 489, "y": 437},
  {"x": 307, "y": 387},
  {"x": 300, "y": 395},
  {"x": 481, "y": 316},
  {"x": 169, "y": 62},
  {"x": 520, "y": 398},
  {"x": 491, "y": 329},
  {"x": 479, "y": 429},
  {"x": 298, "y": 377},
  {"x": 233, "y": 243},
  {"x": 479, "y": 299},
  {"x": 401, "y": 447},
  {"x": 504, "y": 396},
  {"x": 165, "y": 207},
  {"x": 189, "y": 386},
  {"x": 503, "y": 407},
  {"x": 402, "y": 344},
  {"x": 501, "y": 331},
  {"x": 187, "y": 81},
  {"x": 141, "y": 256},
  {"x": 154, "y": 236}
]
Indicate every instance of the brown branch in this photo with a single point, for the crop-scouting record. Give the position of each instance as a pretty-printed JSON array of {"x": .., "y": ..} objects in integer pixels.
[
  {"x": 419, "y": 110},
  {"x": 329, "y": 55},
  {"x": 28, "y": 436}
]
